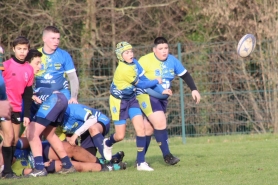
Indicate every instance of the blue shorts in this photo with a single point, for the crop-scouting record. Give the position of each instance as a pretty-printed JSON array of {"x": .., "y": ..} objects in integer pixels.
[
  {"x": 52, "y": 111},
  {"x": 150, "y": 104},
  {"x": 121, "y": 110}
]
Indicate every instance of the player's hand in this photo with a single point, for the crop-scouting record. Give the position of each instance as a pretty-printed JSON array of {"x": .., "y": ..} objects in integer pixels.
[
  {"x": 159, "y": 80},
  {"x": 196, "y": 96},
  {"x": 46, "y": 164},
  {"x": 168, "y": 91},
  {"x": 36, "y": 99},
  {"x": 26, "y": 121},
  {"x": 72, "y": 139},
  {"x": 73, "y": 100},
  {"x": 5, "y": 109}
]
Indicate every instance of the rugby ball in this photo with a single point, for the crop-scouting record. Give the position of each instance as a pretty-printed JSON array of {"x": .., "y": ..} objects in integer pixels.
[{"x": 246, "y": 45}]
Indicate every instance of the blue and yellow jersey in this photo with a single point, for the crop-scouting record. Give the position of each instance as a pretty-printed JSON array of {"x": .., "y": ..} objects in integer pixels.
[
  {"x": 125, "y": 77},
  {"x": 3, "y": 95},
  {"x": 77, "y": 114},
  {"x": 167, "y": 69},
  {"x": 54, "y": 67}
]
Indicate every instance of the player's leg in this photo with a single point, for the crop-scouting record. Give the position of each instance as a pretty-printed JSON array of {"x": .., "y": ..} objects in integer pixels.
[
  {"x": 96, "y": 132},
  {"x": 149, "y": 132},
  {"x": 119, "y": 111},
  {"x": 7, "y": 151},
  {"x": 58, "y": 147},
  {"x": 136, "y": 117},
  {"x": 88, "y": 167},
  {"x": 155, "y": 110},
  {"x": 76, "y": 152},
  {"x": 34, "y": 131},
  {"x": 118, "y": 136},
  {"x": 15, "y": 118}
]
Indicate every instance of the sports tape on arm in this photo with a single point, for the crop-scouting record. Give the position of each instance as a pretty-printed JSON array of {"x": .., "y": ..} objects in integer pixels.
[
  {"x": 74, "y": 84},
  {"x": 87, "y": 124},
  {"x": 189, "y": 81}
]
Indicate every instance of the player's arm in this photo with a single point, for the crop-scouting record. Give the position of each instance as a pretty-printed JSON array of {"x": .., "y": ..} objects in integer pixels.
[
  {"x": 190, "y": 82},
  {"x": 187, "y": 78},
  {"x": 74, "y": 86},
  {"x": 72, "y": 76},
  {"x": 143, "y": 82},
  {"x": 87, "y": 124},
  {"x": 27, "y": 99}
]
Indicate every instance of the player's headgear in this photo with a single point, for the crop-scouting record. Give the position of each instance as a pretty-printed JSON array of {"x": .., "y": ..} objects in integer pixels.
[{"x": 120, "y": 48}]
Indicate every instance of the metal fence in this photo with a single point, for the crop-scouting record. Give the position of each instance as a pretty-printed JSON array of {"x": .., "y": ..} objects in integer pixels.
[{"x": 239, "y": 95}]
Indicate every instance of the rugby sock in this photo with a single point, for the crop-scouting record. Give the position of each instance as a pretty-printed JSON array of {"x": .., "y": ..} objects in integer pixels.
[
  {"x": 13, "y": 151},
  {"x": 7, "y": 157},
  {"x": 98, "y": 161},
  {"x": 110, "y": 141},
  {"x": 148, "y": 141},
  {"x": 39, "y": 165},
  {"x": 140, "y": 143},
  {"x": 19, "y": 144},
  {"x": 66, "y": 162},
  {"x": 161, "y": 137},
  {"x": 98, "y": 141}
]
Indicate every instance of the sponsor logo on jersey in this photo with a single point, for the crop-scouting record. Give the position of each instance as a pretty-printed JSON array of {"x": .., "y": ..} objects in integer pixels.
[
  {"x": 45, "y": 107},
  {"x": 57, "y": 66},
  {"x": 88, "y": 110},
  {"x": 48, "y": 76},
  {"x": 75, "y": 125},
  {"x": 157, "y": 72}
]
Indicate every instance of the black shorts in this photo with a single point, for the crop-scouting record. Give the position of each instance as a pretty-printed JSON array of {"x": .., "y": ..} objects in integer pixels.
[{"x": 15, "y": 118}]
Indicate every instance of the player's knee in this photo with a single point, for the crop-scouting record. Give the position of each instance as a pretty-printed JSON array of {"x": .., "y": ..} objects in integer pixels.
[
  {"x": 8, "y": 138},
  {"x": 119, "y": 136},
  {"x": 94, "y": 130}
]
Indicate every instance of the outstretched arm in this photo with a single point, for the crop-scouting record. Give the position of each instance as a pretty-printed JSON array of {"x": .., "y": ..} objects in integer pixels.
[
  {"x": 190, "y": 82},
  {"x": 144, "y": 82}
]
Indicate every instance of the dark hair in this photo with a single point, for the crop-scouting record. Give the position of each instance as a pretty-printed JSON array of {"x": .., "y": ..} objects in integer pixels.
[
  {"x": 32, "y": 54},
  {"x": 160, "y": 40},
  {"x": 51, "y": 29},
  {"x": 21, "y": 40}
]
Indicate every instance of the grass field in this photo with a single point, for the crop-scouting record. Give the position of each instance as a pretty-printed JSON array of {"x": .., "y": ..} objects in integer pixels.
[{"x": 237, "y": 159}]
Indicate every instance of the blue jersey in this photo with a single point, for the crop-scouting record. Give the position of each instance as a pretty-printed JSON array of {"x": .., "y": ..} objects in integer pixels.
[
  {"x": 54, "y": 67},
  {"x": 3, "y": 95},
  {"x": 167, "y": 69},
  {"x": 77, "y": 114},
  {"x": 125, "y": 77}
]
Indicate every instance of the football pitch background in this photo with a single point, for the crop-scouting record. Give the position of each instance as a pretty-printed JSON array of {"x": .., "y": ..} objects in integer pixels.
[{"x": 231, "y": 159}]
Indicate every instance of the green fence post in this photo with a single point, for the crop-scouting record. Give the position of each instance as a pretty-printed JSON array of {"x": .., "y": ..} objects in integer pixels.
[{"x": 182, "y": 99}]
